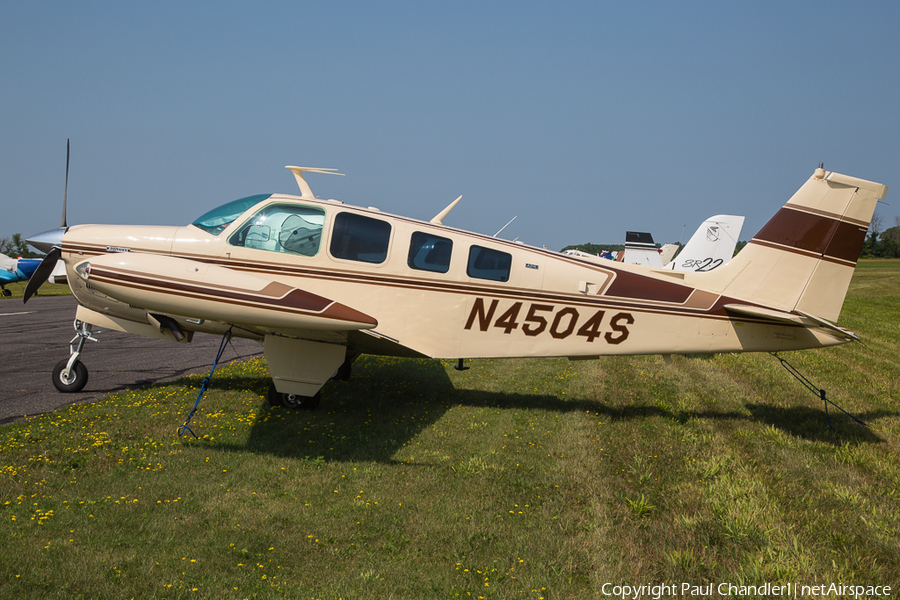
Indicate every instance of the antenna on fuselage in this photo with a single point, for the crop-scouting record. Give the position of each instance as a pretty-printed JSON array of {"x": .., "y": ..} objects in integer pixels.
[
  {"x": 507, "y": 225},
  {"x": 440, "y": 216},
  {"x": 62, "y": 223},
  {"x": 305, "y": 191}
]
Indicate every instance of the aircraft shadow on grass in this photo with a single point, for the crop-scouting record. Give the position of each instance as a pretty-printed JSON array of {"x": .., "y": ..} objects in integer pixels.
[{"x": 374, "y": 415}]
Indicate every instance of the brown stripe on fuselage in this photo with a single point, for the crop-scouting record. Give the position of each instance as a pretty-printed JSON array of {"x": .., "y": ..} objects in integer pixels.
[
  {"x": 342, "y": 312},
  {"x": 275, "y": 294},
  {"x": 702, "y": 299},
  {"x": 631, "y": 291},
  {"x": 640, "y": 287}
]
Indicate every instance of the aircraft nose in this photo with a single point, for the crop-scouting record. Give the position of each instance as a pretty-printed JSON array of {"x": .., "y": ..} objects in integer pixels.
[{"x": 46, "y": 240}]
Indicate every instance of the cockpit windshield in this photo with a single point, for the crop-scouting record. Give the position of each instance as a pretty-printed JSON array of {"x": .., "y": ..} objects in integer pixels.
[{"x": 216, "y": 220}]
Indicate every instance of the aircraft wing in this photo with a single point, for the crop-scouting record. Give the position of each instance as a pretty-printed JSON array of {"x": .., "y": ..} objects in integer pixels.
[
  {"x": 178, "y": 286},
  {"x": 16, "y": 269},
  {"x": 8, "y": 276}
]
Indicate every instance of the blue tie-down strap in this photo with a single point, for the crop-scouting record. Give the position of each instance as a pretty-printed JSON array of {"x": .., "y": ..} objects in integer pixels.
[{"x": 186, "y": 427}]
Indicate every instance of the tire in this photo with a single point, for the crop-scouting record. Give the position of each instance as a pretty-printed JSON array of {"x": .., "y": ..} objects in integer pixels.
[
  {"x": 344, "y": 371},
  {"x": 292, "y": 401},
  {"x": 78, "y": 377}
]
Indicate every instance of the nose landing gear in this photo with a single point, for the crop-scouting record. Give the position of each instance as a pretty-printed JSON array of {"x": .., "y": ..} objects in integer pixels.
[{"x": 70, "y": 375}]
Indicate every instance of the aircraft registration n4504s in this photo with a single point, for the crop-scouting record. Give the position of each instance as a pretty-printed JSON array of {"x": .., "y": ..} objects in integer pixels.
[{"x": 320, "y": 282}]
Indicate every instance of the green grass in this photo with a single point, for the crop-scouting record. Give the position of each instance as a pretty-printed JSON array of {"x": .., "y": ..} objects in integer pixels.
[
  {"x": 48, "y": 289},
  {"x": 538, "y": 478}
]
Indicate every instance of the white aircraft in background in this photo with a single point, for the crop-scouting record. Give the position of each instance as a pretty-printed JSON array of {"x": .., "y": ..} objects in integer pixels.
[
  {"x": 711, "y": 246},
  {"x": 320, "y": 282},
  {"x": 640, "y": 249}
]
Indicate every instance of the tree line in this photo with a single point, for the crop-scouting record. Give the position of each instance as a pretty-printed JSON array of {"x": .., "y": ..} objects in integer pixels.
[
  {"x": 882, "y": 244},
  {"x": 15, "y": 247}
]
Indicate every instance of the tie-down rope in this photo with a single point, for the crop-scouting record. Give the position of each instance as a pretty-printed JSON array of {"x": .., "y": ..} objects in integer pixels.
[
  {"x": 814, "y": 389},
  {"x": 225, "y": 339}
]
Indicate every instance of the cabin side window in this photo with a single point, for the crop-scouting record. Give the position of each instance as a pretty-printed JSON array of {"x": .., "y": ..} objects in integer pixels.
[
  {"x": 485, "y": 263},
  {"x": 429, "y": 252},
  {"x": 360, "y": 238},
  {"x": 289, "y": 228}
]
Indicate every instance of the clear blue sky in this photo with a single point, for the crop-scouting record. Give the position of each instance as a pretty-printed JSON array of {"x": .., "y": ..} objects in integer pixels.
[{"x": 583, "y": 119}]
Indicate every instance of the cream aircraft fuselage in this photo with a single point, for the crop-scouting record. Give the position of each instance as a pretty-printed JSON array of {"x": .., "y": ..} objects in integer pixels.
[{"x": 320, "y": 281}]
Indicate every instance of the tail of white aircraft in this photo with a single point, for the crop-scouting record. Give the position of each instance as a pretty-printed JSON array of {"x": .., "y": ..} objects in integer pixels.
[
  {"x": 803, "y": 258},
  {"x": 711, "y": 246},
  {"x": 641, "y": 250}
]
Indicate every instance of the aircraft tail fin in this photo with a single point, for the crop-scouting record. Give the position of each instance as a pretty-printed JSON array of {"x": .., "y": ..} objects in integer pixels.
[
  {"x": 803, "y": 258},
  {"x": 667, "y": 253},
  {"x": 640, "y": 249},
  {"x": 711, "y": 246}
]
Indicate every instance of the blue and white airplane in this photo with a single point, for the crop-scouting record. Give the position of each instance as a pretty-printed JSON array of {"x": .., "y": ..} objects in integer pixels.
[{"x": 13, "y": 270}]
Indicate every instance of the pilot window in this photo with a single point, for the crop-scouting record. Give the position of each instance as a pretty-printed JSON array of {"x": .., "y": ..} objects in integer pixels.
[
  {"x": 360, "y": 238},
  {"x": 485, "y": 263},
  {"x": 216, "y": 220},
  {"x": 289, "y": 228},
  {"x": 429, "y": 252}
]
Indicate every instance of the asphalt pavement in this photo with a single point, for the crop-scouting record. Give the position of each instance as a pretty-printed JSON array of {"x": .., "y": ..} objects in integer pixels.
[{"x": 35, "y": 336}]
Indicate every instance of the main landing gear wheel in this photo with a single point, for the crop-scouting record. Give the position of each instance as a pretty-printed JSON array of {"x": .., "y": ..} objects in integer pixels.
[
  {"x": 74, "y": 382},
  {"x": 292, "y": 401},
  {"x": 344, "y": 371}
]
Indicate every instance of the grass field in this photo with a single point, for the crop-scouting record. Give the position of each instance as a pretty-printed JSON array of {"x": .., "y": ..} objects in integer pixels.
[
  {"x": 17, "y": 290},
  {"x": 515, "y": 479}
]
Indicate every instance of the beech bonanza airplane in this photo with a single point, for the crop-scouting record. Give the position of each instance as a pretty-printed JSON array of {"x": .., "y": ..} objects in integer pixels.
[{"x": 320, "y": 282}]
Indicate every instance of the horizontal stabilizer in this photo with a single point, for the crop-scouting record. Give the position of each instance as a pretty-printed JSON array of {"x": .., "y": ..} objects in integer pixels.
[
  {"x": 834, "y": 329},
  {"x": 767, "y": 314},
  {"x": 804, "y": 319}
]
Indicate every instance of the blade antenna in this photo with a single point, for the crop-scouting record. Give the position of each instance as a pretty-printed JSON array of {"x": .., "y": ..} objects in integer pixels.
[
  {"x": 438, "y": 218},
  {"x": 65, "y": 189}
]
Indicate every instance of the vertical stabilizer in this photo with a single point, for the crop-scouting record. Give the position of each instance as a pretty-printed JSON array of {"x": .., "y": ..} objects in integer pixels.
[
  {"x": 804, "y": 257},
  {"x": 711, "y": 246},
  {"x": 641, "y": 250}
]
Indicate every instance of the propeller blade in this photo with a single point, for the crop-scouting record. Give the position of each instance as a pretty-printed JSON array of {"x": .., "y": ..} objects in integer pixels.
[
  {"x": 66, "y": 189},
  {"x": 42, "y": 273}
]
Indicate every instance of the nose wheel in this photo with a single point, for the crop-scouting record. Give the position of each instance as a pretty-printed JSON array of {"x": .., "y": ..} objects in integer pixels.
[
  {"x": 70, "y": 378},
  {"x": 70, "y": 375}
]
